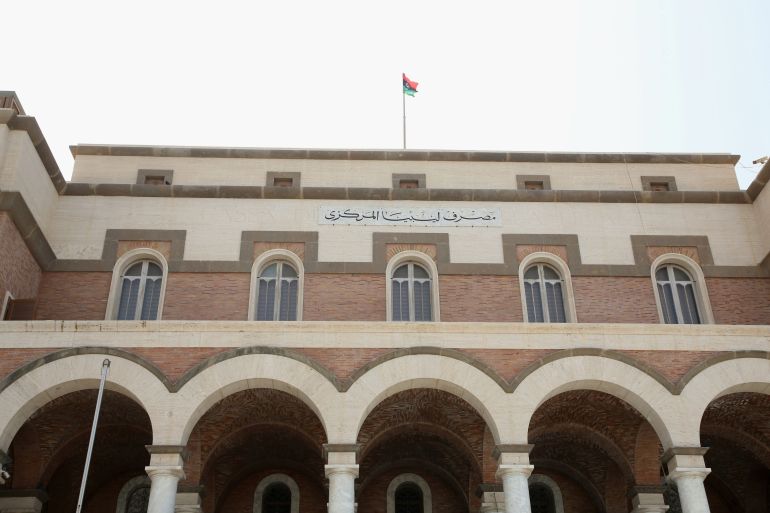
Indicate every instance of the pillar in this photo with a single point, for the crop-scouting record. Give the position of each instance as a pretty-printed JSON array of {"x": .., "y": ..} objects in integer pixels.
[
  {"x": 514, "y": 470},
  {"x": 188, "y": 502},
  {"x": 165, "y": 470},
  {"x": 492, "y": 499},
  {"x": 22, "y": 501},
  {"x": 341, "y": 470},
  {"x": 648, "y": 499},
  {"x": 687, "y": 469}
]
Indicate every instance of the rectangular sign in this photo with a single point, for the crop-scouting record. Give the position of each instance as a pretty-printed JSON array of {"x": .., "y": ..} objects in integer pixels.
[{"x": 394, "y": 216}]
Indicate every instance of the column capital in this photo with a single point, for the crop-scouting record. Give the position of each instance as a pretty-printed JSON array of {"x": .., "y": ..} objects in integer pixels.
[
  {"x": 330, "y": 470},
  {"x": 165, "y": 471},
  {"x": 699, "y": 473},
  {"x": 514, "y": 470}
]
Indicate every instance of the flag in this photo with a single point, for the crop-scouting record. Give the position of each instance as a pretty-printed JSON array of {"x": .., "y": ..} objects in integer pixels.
[{"x": 409, "y": 87}]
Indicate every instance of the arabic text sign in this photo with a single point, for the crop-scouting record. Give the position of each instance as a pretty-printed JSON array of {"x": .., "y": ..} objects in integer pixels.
[{"x": 390, "y": 216}]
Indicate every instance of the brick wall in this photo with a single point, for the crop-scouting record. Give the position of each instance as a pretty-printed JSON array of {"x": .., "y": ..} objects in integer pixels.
[
  {"x": 207, "y": 296},
  {"x": 626, "y": 300},
  {"x": 739, "y": 300},
  {"x": 372, "y": 497},
  {"x": 344, "y": 297},
  {"x": 480, "y": 298},
  {"x": 73, "y": 296},
  {"x": 19, "y": 272},
  {"x": 240, "y": 498}
]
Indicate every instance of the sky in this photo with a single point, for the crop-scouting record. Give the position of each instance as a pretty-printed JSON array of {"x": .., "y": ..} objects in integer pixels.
[{"x": 540, "y": 75}]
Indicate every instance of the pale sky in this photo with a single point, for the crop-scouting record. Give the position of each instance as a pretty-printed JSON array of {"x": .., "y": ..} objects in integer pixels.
[{"x": 540, "y": 75}]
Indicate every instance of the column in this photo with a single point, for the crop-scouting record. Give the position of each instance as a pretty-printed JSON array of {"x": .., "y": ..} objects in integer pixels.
[
  {"x": 648, "y": 499},
  {"x": 687, "y": 468},
  {"x": 514, "y": 470},
  {"x": 341, "y": 471},
  {"x": 188, "y": 502},
  {"x": 22, "y": 501},
  {"x": 165, "y": 471}
]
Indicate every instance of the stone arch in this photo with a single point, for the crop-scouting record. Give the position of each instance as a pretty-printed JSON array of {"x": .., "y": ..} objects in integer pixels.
[
  {"x": 720, "y": 379},
  {"x": 130, "y": 487},
  {"x": 651, "y": 399},
  {"x": 246, "y": 371},
  {"x": 426, "y": 371},
  {"x": 42, "y": 384},
  {"x": 272, "y": 479},
  {"x": 546, "y": 481},
  {"x": 427, "y": 499}
]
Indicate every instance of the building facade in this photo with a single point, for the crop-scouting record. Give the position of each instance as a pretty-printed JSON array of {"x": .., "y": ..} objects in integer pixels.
[{"x": 381, "y": 331}]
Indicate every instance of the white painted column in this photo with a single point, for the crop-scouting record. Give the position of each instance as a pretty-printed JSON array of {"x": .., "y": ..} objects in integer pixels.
[
  {"x": 165, "y": 470},
  {"x": 341, "y": 471},
  {"x": 514, "y": 470},
  {"x": 342, "y": 487},
  {"x": 516, "y": 487},
  {"x": 163, "y": 488},
  {"x": 687, "y": 468},
  {"x": 692, "y": 493}
]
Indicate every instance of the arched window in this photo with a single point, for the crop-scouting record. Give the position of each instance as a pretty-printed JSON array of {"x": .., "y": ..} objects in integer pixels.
[
  {"x": 276, "y": 287},
  {"x": 408, "y": 498},
  {"x": 409, "y": 493},
  {"x": 277, "y": 499},
  {"x": 541, "y": 499},
  {"x": 676, "y": 290},
  {"x": 277, "y": 292},
  {"x": 545, "y": 495},
  {"x": 138, "y": 286},
  {"x": 277, "y": 493},
  {"x": 544, "y": 290},
  {"x": 680, "y": 290},
  {"x": 411, "y": 293},
  {"x": 134, "y": 497}
]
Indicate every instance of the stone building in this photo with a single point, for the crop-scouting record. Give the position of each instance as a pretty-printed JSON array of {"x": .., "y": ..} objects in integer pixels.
[{"x": 382, "y": 331}]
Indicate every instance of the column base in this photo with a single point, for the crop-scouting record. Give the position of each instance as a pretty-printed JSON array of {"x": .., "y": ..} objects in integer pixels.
[{"x": 22, "y": 501}]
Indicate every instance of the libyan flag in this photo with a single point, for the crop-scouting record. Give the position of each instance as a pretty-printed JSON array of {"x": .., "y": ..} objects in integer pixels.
[{"x": 409, "y": 87}]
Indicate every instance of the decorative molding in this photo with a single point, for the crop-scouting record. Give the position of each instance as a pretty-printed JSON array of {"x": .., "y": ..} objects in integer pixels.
[
  {"x": 380, "y": 193},
  {"x": 401, "y": 155}
]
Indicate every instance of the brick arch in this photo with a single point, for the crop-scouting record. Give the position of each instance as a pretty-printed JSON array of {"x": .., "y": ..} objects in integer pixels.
[
  {"x": 247, "y": 371},
  {"x": 53, "y": 376},
  {"x": 591, "y": 438},
  {"x": 440, "y": 372},
  {"x": 725, "y": 377},
  {"x": 644, "y": 393}
]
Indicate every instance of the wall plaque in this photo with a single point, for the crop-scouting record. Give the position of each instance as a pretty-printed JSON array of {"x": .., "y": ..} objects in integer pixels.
[{"x": 408, "y": 216}]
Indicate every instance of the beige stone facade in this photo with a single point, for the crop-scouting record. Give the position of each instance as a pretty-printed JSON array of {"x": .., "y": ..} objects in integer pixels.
[{"x": 602, "y": 346}]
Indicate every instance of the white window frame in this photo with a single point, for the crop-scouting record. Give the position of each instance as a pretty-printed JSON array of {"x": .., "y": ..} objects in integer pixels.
[
  {"x": 558, "y": 499},
  {"x": 126, "y": 260},
  {"x": 272, "y": 479},
  {"x": 6, "y": 301},
  {"x": 561, "y": 267},
  {"x": 699, "y": 284},
  {"x": 426, "y": 262},
  {"x": 427, "y": 500},
  {"x": 263, "y": 261}
]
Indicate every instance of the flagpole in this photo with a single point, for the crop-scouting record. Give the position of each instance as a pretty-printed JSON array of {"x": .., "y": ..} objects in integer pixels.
[
  {"x": 105, "y": 371},
  {"x": 403, "y": 101}
]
